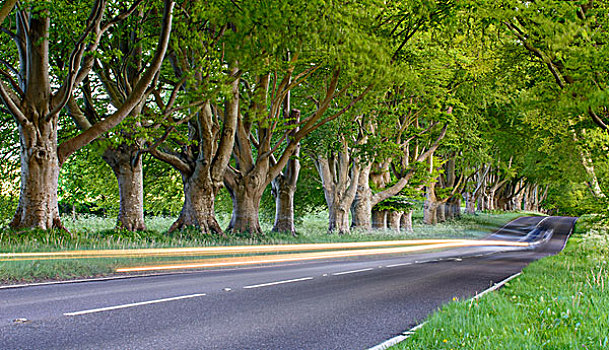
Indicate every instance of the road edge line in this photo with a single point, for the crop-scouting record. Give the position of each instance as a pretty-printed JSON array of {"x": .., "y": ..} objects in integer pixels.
[{"x": 406, "y": 334}]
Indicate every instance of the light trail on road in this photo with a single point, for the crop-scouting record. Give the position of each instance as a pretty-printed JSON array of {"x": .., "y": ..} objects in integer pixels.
[
  {"x": 266, "y": 259},
  {"x": 203, "y": 251}
]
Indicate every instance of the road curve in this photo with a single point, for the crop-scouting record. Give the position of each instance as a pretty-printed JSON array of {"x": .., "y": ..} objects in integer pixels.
[{"x": 351, "y": 303}]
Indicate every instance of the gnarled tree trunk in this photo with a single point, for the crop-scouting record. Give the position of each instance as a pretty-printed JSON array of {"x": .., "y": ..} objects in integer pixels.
[
  {"x": 339, "y": 176},
  {"x": 430, "y": 210},
  {"x": 246, "y": 195},
  {"x": 361, "y": 208},
  {"x": 283, "y": 191},
  {"x": 127, "y": 167},
  {"x": 198, "y": 208},
  {"x": 338, "y": 218},
  {"x": 38, "y": 207},
  {"x": 470, "y": 203},
  {"x": 453, "y": 208}
]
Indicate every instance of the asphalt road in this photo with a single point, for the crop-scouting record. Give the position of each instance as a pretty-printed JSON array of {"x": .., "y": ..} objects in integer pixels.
[{"x": 351, "y": 303}]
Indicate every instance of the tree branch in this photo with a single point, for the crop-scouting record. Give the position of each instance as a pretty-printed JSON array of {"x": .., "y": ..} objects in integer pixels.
[
  {"x": 65, "y": 91},
  {"x": 6, "y": 9},
  {"x": 172, "y": 160},
  {"x": 12, "y": 106},
  {"x": 70, "y": 146}
]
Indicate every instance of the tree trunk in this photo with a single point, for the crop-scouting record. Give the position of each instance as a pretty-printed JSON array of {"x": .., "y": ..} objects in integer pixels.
[
  {"x": 430, "y": 206},
  {"x": 338, "y": 215},
  {"x": 198, "y": 208},
  {"x": 470, "y": 204},
  {"x": 361, "y": 209},
  {"x": 430, "y": 211},
  {"x": 340, "y": 186},
  {"x": 406, "y": 222},
  {"x": 441, "y": 212},
  {"x": 394, "y": 219},
  {"x": 127, "y": 168},
  {"x": 246, "y": 206},
  {"x": 38, "y": 207},
  {"x": 379, "y": 219},
  {"x": 491, "y": 200},
  {"x": 454, "y": 207},
  {"x": 284, "y": 185},
  {"x": 284, "y": 206}
]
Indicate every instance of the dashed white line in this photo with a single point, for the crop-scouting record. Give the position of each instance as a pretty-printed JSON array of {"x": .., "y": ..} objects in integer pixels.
[
  {"x": 402, "y": 264},
  {"x": 278, "y": 282},
  {"x": 110, "y": 308},
  {"x": 352, "y": 271}
]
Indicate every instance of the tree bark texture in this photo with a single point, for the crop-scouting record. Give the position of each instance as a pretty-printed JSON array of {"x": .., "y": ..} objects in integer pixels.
[
  {"x": 284, "y": 207},
  {"x": 441, "y": 212},
  {"x": 127, "y": 167},
  {"x": 430, "y": 210},
  {"x": 406, "y": 222},
  {"x": 430, "y": 206},
  {"x": 284, "y": 185},
  {"x": 453, "y": 208},
  {"x": 246, "y": 206},
  {"x": 339, "y": 176},
  {"x": 361, "y": 209},
  {"x": 394, "y": 220},
  {"x": 470, "y": 203},
  {"x": 38, "y": 207},
  {"x": 198, "y": 208},
  {"x": 379, "y": 219}
]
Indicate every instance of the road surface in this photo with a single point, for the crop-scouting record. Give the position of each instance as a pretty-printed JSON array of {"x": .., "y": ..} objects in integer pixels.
[{"x": 349, "y": 303}]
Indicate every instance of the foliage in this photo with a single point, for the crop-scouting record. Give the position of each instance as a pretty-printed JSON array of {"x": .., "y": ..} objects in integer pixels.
[{"x": 396, "y": 203}]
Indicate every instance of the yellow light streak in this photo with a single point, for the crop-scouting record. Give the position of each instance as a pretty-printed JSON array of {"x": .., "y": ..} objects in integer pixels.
[
  {"x": 265, "y": 259},
  {"x": 199, "y": 251}
]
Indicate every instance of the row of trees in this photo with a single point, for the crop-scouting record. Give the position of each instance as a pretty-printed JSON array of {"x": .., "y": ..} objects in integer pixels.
[{"x": 501, "y": 105}]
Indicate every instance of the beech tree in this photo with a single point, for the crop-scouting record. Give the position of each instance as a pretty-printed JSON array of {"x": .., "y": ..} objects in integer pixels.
[
  {"x": 122, "y": 57},
  {"x": 263, "y": 144},
  {"x": 35, "y": 105}
]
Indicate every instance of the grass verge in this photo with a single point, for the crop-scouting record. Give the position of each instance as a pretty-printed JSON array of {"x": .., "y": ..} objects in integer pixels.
[
  {"x": 559, "y": 302},
  {"x": 89, "y": 232}
]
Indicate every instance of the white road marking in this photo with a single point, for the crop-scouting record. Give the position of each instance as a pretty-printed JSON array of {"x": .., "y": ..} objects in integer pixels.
[
  {"x": 278, "y": 282},
  {"x": 406, "y": 334},
  {"x": 352, "y": 271},
  {"x": 402, "y": 264},
  {"x": 110, "y": 308},
  {"x": 496, "y": 286}
]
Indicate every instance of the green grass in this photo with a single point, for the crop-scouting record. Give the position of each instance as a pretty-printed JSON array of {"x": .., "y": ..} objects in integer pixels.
[
  {"x": 559, "y": 302},
  {"x": 92, "y": 232}
]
